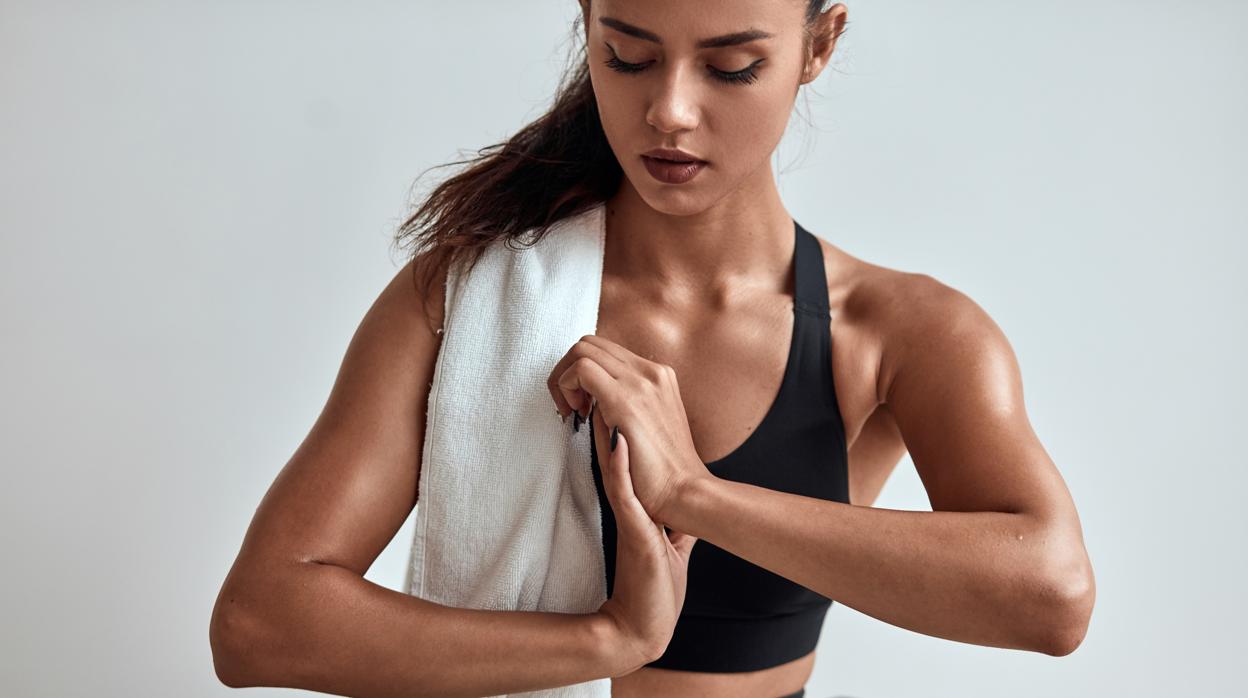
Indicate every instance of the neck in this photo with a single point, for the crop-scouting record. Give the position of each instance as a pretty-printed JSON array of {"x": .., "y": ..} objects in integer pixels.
[{"x": 745, "y": 239}]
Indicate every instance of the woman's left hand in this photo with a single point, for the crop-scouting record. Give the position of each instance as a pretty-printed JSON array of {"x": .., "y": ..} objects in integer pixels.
[{"x": 642, "y": 398}]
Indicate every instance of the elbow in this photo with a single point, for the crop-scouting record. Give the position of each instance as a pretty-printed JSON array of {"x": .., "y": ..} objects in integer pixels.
[
  {"x": 233, "y": 655},
  {"x": 1068, "y": 602}
]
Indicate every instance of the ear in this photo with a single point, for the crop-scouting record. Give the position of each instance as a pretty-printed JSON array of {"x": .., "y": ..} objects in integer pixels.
[{"x": 826, "y": 31}]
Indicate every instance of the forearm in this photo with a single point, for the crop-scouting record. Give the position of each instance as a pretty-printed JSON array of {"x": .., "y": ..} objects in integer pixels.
[
  {"x": 987, "y": 578},
  {"x": 327, "y": 629}
]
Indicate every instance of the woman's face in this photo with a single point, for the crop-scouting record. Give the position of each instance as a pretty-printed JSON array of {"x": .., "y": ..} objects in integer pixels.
[{"x": 727, "y": 102}]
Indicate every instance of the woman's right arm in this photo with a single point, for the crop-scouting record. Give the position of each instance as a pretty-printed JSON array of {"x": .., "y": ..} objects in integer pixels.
[{"x": 295, "y": 610}]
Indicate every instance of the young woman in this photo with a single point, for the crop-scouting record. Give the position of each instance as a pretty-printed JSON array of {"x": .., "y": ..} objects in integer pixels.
[{"x": 750, "y": 389}]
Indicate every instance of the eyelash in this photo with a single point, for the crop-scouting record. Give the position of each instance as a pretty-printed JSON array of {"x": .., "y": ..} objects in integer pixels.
[{"x": 741, "y": 77}]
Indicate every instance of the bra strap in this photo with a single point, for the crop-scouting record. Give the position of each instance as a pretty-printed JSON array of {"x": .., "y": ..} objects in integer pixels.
[{"x": 811, "y": 283}]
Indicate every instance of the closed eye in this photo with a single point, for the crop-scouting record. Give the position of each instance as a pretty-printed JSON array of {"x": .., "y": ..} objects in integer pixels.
[{"x": 746, "y": 75}]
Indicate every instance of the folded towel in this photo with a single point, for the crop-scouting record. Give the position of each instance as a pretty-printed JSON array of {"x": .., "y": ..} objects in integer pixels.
[{"x": 508, "y": 515}]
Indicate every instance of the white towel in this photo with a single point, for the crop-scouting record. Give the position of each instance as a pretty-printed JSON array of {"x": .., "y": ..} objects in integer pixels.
[{"x": 508, "y": 515}]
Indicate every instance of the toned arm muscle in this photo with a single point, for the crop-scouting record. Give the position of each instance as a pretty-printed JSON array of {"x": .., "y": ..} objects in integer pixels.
[{"x": 295, "y": 610}]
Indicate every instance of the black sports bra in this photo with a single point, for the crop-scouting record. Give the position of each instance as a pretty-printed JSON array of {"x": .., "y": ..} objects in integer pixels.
[{"x": 738, "y": 616}]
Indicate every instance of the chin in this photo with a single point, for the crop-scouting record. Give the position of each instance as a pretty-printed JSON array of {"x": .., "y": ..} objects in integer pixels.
[
  {"x": 675, "y": 200},
  {"x": 674, "y": 203}
]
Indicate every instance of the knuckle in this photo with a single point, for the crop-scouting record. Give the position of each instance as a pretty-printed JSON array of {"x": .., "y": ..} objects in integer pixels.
[
  {"x": 653, "y": 372},
  {"x": 578, "y": 348},
  {"x": 581, "y": 362}
]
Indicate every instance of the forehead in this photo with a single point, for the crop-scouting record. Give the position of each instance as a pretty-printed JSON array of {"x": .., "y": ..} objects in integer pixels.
[{"x": 699, "y": 24}]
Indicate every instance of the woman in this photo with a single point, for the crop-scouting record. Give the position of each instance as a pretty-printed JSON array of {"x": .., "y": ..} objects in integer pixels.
[{"x": 738, "y": 509}]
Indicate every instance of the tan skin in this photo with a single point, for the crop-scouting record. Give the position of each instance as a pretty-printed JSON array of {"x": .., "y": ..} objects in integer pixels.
[
  {"x": 697, "y": 278},
  {"x": 722, "y": 413}
]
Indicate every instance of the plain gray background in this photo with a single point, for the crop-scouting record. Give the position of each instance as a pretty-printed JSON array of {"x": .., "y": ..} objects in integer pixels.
[{"x": 196, "y": 203}]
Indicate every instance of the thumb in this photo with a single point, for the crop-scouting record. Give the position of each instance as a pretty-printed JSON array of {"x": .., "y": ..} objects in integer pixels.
[{"x": 621, "y": 481}]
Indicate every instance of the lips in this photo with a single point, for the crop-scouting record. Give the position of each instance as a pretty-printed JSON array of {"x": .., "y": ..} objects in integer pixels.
[
  {"x": 669, "y": 172},
  {"x": 672, "y": 155}
]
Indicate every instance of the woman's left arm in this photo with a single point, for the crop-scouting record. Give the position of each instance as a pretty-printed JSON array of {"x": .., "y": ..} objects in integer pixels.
[{"x": 1000, "y": 559}]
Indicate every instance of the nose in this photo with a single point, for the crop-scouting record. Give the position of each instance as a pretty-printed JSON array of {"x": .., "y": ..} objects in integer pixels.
[{"x": 674, "y": 107}]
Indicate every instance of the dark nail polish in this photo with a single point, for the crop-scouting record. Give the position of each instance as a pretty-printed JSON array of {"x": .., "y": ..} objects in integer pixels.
[
  {"x": 576, "y": 421},
  {"x": 615, "y": 436}
]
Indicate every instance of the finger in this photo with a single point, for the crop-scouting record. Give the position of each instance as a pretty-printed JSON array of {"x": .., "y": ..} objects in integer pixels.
[
  {"x": 627, "y": 508},
  {"x": 567, "y": 401},
  {"x": 622, "y": 353},
  {"x": 607, "y": 460},
  {"x": 586, "y": 378},
  {"x": 588, "y": 351},
  {"x": 624, "y": 473}
]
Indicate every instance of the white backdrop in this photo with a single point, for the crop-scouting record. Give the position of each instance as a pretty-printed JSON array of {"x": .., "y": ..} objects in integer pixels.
[{"x": 196, "y": 200}]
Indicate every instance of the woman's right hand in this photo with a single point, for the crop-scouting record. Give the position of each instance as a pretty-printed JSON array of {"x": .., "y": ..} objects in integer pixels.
[{"x": 651, "y": 565}]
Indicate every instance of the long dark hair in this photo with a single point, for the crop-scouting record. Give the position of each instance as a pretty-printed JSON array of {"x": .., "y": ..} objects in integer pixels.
[{"x": 555, "y": 167}]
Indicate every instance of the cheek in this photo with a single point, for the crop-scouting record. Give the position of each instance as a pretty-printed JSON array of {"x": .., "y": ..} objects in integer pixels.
[
  {"x": 760, "y": 115},
  {"x": 617, "y": 109},
  {"x": 624, "y": 124},
  {"x": 620, "y": 124},
  {"x": 747, "y": 126}
]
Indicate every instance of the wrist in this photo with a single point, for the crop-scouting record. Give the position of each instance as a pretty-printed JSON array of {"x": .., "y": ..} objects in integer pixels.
[
  {"x": 679, "y": 512},
  {"x": 620, "y": 654}
]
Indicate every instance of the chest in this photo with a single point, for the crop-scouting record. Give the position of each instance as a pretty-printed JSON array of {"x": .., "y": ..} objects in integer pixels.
[{"x": 731, "y": 362}]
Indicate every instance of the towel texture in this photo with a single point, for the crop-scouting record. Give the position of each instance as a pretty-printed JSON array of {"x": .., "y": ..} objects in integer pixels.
[{"x": 508, "y": 515}]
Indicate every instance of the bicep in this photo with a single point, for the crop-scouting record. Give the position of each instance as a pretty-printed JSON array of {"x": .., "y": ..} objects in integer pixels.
[
  {"x": 956, "y": 394},
  {"x": 352, "y": 482}
]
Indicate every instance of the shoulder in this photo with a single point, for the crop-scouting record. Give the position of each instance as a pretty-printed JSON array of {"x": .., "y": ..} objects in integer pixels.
[
  {"x": 913, "y": 320},
  {"x": 931, "y": 327},
  {"x": 417, "y": 294},
  {"x": 918, "y": 305}
]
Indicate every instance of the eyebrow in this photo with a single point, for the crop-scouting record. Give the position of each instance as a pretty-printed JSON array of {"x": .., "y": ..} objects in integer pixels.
[{"x": 733, "y": 39}]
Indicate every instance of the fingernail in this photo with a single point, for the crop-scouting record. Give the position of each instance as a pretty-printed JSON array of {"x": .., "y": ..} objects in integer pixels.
[
  {"x": 615, "y": 436},
  {"x": 576, "y": 421}
]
